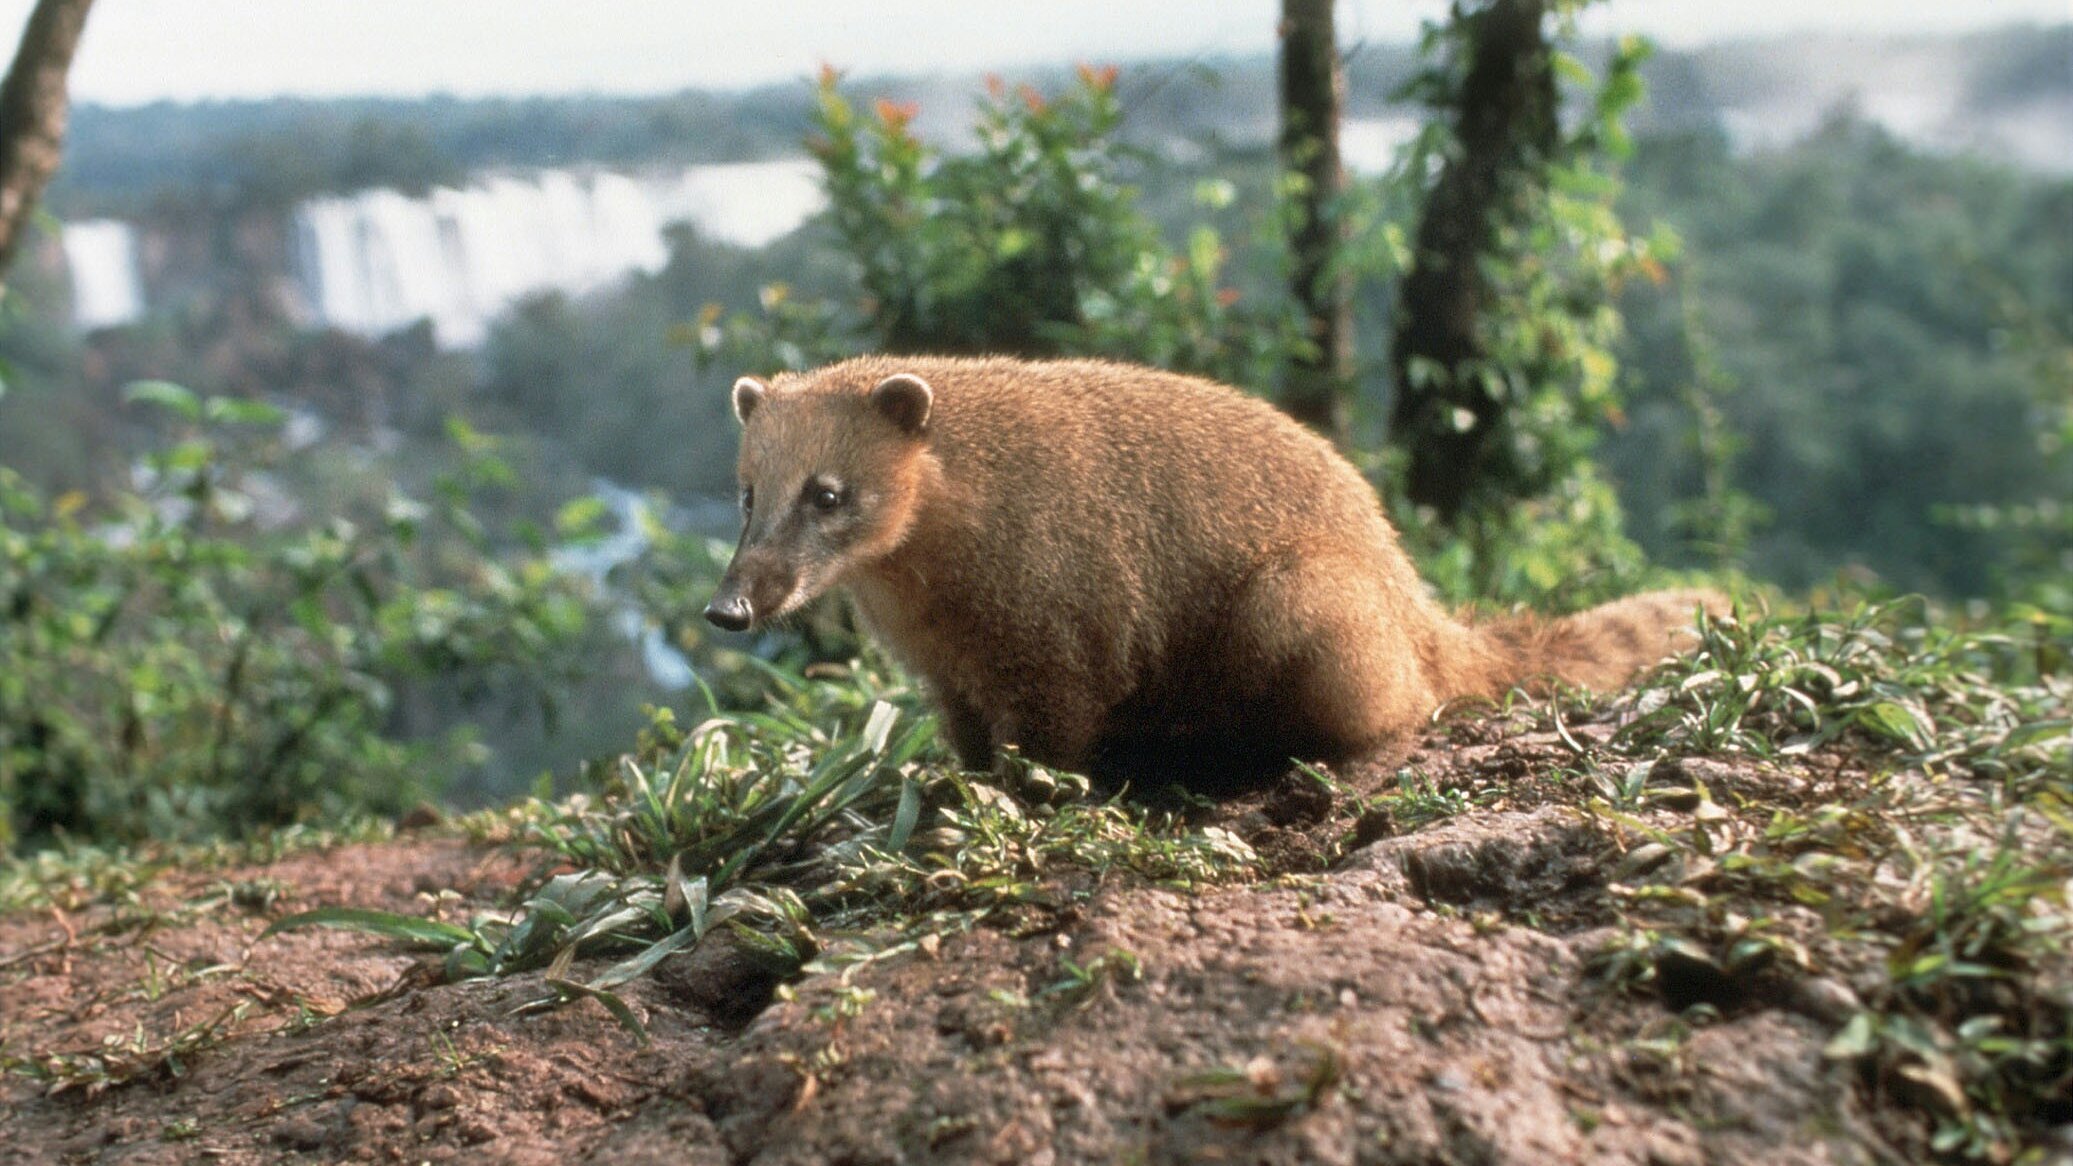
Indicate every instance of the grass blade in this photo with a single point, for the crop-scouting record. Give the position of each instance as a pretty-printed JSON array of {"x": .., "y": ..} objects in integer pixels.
[
  {"x": 613, "y": 1004},
  {"x": 425, "y": 934}
]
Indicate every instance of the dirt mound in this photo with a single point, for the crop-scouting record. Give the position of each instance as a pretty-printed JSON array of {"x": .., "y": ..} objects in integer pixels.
[{"x": 1429, "y": 998}]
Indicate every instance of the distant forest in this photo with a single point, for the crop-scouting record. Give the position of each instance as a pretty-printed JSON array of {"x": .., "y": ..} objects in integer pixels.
[{"x": 253, "y": 152}]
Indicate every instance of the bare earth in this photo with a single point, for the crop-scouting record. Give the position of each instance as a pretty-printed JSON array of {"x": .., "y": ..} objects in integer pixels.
[{"x": 1427, "y": 999}]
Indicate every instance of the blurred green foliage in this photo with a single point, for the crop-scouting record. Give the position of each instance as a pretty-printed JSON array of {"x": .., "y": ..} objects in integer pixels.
[
  {"x": 2039, "y": 530},
  {"x": 1536, "y": 378},
  {"x": 1885, "y": 331},
  {"x": 178, "y": 670},
  {"x": 1491, "y": 470}
]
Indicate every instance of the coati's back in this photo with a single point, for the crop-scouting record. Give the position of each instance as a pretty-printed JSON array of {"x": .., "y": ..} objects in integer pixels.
[
  {"x": 1132, "y": 504},
  {"x": 1112, "y": 567},
  {"x": 1098, "y": 475}
]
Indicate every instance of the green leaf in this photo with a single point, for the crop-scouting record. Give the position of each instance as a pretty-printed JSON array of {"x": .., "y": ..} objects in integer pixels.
[
  {"x": 189, "y": 455},
  {"x": 1894, "y": 720},
  {"x": 1215, "y": 193},
  {"x": 470, "y": 439},
  {"x": 2036, "y": 731},
  {"x": 690, "y": 895},
  {"x": 465, "y": 963},
  {"x": 613, "y": 1004},
  {"x": 165, "y": 395},
  {"x": 1856, "y": 1039},
  {"x": 580, "y": 517},
  {"x": 233, "y": 411},
  {"x": 639, "y": 965},
  {"x": 310, "y": 615},
  {"x": 905, "y": 817},
  {"x": 427, "y": 934}
]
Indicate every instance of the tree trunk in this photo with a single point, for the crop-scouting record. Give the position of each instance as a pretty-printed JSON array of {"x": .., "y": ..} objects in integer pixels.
[
  {"x": 1506, "y": 127},
  {"x": 1319, "y": 385},
  {"x": 32, "y": 114}
]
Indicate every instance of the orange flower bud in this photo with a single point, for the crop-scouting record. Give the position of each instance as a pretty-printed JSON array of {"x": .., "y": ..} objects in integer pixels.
[{"x": 896, "y": 114}]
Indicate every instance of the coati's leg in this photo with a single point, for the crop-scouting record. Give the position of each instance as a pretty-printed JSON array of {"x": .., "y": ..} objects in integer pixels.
[
  {"x": 965, "y": 727},
  {"x": 1052, "y": 726}
]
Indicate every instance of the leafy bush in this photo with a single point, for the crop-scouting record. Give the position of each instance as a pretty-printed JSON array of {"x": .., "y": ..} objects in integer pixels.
[
  {"x": 1564, "y": 550},
  {"x": 1992, "y": 701},
  {"x": 175, "y": 669},
  {"x": 1032, "y": 245}
]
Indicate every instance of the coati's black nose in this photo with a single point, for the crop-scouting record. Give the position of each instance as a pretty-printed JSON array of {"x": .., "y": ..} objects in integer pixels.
[{"x": 729, "y": 613}]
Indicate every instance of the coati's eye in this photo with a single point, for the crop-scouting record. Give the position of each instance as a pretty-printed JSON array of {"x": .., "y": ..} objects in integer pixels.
[
  {"x": 748, "y": 498},
  {"x": 824, "y": 497}
]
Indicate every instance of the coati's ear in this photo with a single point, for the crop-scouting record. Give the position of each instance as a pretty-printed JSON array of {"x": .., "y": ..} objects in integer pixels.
[
  {"x": 748, "y": 393},
  {"x": 905, "y": 399}
]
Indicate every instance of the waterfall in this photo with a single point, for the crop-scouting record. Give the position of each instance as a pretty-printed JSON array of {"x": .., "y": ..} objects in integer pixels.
[
  {"x": 102, "y": 257},
  {"x": 376, "y": 261},
  {"x": 746, "y": 203},
  {"x": 594, "y": 560},
  {"x": 1370, "y": 145}
]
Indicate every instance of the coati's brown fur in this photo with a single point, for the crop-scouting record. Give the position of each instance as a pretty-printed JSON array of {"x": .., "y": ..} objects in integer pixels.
[{"x": 1122, "y": 571}]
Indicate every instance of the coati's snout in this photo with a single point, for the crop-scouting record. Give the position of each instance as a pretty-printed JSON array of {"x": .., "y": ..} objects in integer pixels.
[
  {"x": 827, "y": 484},
  {"x": 730, "y": 613},
  {"x": 757, "y": 587},
  {"x": 761, "y": 584}
]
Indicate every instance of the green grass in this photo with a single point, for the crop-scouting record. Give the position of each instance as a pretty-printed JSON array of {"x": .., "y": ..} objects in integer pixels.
[
  {"x": 122, "y": 1058},
  {"x": 1932, "y": 871},
  {"x": 1418, "y": 801},
  {"x": 76, "y": 873},
  {"x": 1987, "y": 703}
]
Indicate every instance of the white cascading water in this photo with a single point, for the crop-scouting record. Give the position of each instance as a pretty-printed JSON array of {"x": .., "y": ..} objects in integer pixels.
[
  {"x": 748, "y": 204},
  {"x": 101, "y": 255},
  {"x": 1371, "y": 145},
  {"x": 378, "y": 260},
  {"x": 594, "y": 560}
]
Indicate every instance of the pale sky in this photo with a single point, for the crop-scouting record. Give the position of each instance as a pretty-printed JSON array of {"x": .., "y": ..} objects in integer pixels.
[{"x": 144, "y": 50}]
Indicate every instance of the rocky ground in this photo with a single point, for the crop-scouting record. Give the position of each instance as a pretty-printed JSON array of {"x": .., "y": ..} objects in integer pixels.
[{"x": 1395, "y": 987}]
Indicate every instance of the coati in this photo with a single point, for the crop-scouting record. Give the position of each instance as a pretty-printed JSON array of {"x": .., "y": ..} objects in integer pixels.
[{"x": 1125, "y": 572}]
